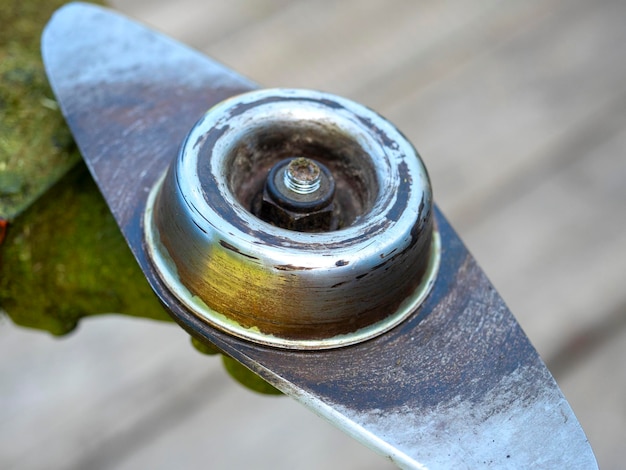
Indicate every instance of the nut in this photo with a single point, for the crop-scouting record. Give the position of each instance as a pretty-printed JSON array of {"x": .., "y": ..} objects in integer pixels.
[
  {"x": 322, "y": 220},
  {"x": 299, "y": 195}
]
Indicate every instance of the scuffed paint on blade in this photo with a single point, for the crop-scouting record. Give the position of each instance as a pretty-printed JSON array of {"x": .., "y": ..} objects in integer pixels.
[
  {"x": 496, "y": 433},
  {"x": 464, "y": 389},
  {"x": 148, "y": 88}
]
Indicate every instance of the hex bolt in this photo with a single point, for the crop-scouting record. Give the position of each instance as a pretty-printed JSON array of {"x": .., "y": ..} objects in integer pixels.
[{"x": 298, "y": 195}]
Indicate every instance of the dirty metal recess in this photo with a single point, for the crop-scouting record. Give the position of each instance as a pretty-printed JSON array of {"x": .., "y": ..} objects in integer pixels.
[{"x": 290, "y": 288}]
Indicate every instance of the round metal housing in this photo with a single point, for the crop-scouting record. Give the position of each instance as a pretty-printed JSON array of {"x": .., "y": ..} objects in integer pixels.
[{"x": 281, "y": 287}]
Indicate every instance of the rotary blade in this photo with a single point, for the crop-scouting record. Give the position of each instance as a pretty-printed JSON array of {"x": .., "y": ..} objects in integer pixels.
[{"x": 454, "y": 384}]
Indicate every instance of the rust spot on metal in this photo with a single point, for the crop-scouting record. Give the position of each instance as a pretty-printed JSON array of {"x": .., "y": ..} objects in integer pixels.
[{"x": 304, "y": 170}]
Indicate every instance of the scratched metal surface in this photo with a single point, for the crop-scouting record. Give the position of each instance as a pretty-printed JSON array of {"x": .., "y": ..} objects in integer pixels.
[{"x": 411, "y": 392}]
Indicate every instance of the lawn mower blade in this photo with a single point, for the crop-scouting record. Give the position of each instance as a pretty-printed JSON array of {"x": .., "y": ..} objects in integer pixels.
[{"x": 456, "y": 385}]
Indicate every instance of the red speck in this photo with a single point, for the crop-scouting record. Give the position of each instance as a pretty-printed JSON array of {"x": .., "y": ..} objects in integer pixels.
[{"x": 3, "y": 229}]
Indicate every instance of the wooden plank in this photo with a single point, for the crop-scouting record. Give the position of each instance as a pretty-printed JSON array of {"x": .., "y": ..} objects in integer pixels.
[
  {"x": 124, "y": 393},
  {"x": 497, "y": 134},
  {"x": 341, "y": 46},
  {"x": 496, "y": 119},
  {"x": 244, "y": 430},
  {"x": 556, "y": 252},
  {"x": 194, "y": 22},
  {"x": 64, "y": 399},
  {"x": 596, "y": 388}
]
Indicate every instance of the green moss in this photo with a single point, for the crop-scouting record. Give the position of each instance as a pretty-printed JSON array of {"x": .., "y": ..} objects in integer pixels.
[
  {"x": 204, "y": 348},
  {"x": 36, "y": 148},
  {"x": 248, "y": 378},
  {"x": 64, "y": 258}
]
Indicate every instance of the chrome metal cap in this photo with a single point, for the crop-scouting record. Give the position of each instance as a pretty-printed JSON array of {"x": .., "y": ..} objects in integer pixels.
[{"x": 281, "y": 287}]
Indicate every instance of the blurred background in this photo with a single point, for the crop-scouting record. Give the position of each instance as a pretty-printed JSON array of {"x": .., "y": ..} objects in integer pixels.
[{"x": 519, "y": 111}]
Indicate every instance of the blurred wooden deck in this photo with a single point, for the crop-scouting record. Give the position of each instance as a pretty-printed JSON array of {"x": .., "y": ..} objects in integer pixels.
[{"x": 519, "y": 110}]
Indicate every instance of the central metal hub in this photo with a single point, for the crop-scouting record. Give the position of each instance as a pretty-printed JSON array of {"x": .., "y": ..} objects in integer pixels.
[{"x": 296, "y": 219}]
